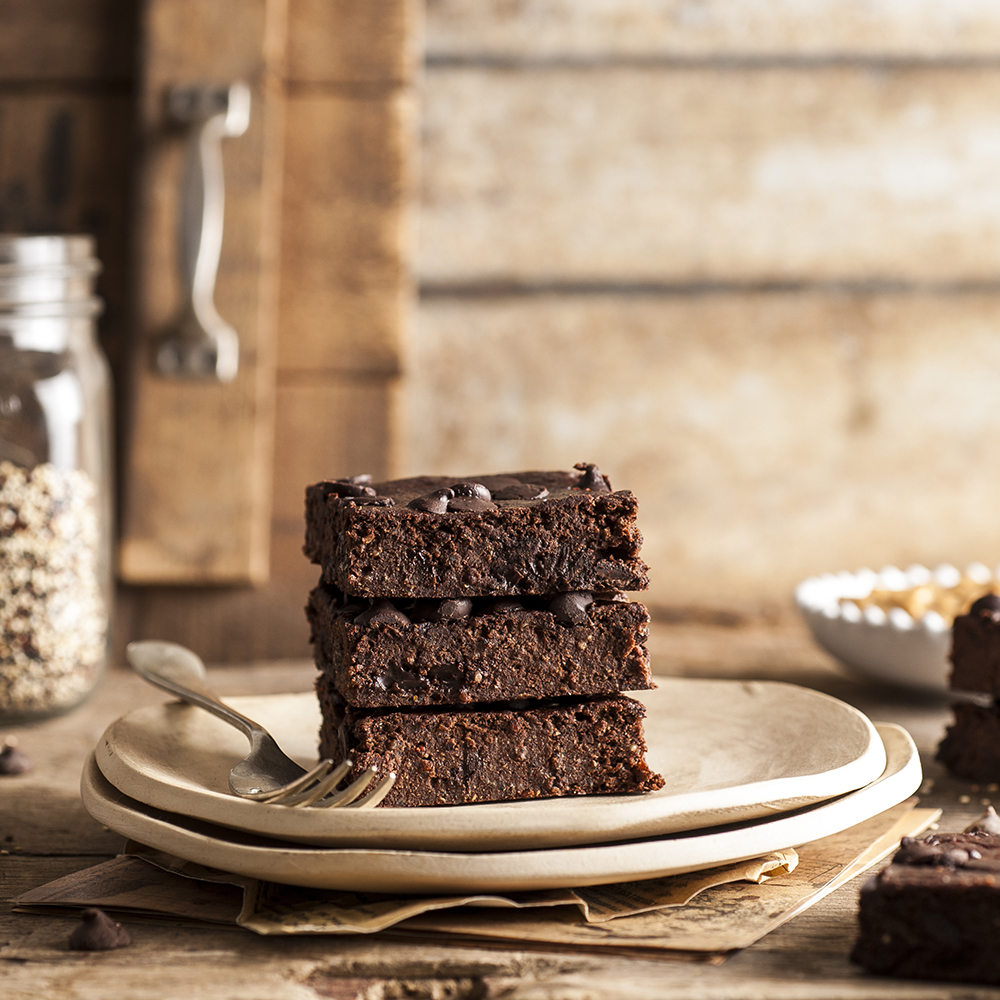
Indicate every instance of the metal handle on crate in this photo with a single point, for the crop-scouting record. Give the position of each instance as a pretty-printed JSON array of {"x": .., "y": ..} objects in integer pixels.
[{"x": 203, "y": 344}]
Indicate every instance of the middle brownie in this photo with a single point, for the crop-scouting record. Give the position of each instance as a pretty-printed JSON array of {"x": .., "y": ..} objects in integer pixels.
[{"x": 405, "y": 653}]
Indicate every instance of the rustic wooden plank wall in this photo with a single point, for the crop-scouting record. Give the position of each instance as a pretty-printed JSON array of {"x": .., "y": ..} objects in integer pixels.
[{"x": 744, "y": 255}]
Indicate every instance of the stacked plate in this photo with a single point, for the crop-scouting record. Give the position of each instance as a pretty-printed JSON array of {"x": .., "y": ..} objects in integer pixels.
[{"x": 750, "y": 768}]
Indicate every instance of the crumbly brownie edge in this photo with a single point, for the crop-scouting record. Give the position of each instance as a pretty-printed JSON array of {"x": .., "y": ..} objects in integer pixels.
[
  {"x": 488, "y": 658},
  {"x": 454, "y": 757}
]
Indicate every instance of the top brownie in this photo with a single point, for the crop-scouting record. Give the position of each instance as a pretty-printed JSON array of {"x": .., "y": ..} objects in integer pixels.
[{"x": 499, "y": 535}]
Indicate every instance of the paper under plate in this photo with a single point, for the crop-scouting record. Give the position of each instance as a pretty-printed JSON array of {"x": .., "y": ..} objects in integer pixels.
[
  {"x": 372, "y": 870},
  {"x": 730, "y": 751}
]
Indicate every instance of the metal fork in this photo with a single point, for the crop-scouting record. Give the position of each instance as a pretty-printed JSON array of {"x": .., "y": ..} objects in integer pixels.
[{"x": 266, "y": 774}]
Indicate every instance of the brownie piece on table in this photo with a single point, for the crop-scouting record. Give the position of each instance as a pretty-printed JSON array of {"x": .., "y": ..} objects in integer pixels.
[
  {"x": 934, "y": 913},
  {"x": 975, "y": 648},
  {"x": 430, "y": 652},
  {"x": 971, "y": 746},
  {"x": 493, "y": 753},
  {"x": 443, "y": 537}
]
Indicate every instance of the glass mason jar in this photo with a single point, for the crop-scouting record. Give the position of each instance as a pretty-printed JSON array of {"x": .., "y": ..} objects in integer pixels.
[{"x": 55, "y": 478}]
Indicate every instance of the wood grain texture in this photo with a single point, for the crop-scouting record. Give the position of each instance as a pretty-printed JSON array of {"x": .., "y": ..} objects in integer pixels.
[
  {"x": 67, "y": 40},
  {"x": 768, "y": 436},
  {"x": 197, "y": 474},
  {"x": 664, "y": 28},
  {"x": 342, "y": 41},
  {"x": 346, "y": 242},
  {"x": 652, "y": 174}
]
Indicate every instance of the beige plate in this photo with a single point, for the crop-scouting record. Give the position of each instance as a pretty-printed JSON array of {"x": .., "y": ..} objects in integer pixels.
[
  {"x": 360, "y": 870},
  {"x": 730, "y": 751}
]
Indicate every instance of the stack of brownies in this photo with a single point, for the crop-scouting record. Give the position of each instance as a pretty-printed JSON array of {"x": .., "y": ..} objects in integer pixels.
[
  {"x": 933, "y": 913},
  {"x": 971, "y": 748},
  {"x": 473, "y": 636}
]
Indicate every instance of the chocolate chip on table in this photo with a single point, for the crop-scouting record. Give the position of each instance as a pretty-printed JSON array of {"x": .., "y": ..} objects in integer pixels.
[
  {"x": 571, "y": 608},
  {"x": 591, "y": 479},
  {"x": 474, "y": 504},
  {"x": 471, "y": 490},
  {"x": 989, "y": 823},
  {"x": 12, "y": 760},
  {"x": 521, "y": 491},
  {"x": 433, "y": 503},
  {"x": 383, "y": 613},
  {"x": 452, "y": 609},
  {"x": 98, "y": 932}
]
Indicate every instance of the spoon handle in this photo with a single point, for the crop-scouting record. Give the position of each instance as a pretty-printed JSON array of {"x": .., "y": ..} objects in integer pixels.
[{"x": 176, "y": 669}]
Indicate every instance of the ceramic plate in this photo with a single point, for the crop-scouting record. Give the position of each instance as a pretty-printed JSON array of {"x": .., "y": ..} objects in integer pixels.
[
  {"x": 730, "y": 751},
  {"x": 373, "y": 870}
]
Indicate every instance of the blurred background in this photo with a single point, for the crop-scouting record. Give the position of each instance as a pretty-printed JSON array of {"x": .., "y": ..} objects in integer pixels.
[{"x": 740, "y": 253}]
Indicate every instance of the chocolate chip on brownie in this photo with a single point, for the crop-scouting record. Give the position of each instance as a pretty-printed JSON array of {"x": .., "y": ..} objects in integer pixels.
[
  {"x": 435, "y": 502},
  {"x": 383, "y": 613},
  {"x": 471, "y": 490},
  {"x": 571, "y": 608}
]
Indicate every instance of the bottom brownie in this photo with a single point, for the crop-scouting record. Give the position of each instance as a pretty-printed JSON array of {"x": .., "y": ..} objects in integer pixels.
[
  {"x": 934, "y": 913},
  {"x": 494, "y": 753},
  {"x": 971, "y": 746}
]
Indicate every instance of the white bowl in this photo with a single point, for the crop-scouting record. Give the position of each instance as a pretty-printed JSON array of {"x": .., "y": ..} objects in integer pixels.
[{"x": 888, "y": 646}]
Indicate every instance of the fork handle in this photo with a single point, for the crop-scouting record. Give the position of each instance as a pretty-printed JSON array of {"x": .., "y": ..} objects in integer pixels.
[{"x": 176, "y": 669}]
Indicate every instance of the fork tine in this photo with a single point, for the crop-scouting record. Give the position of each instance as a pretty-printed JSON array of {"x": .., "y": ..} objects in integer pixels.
[
  {"x": 279, "y": 795},
  {"x": 322, "y": 787},
  {"x": 347, "y": 795},
  {"x": 382, "y": 788}
]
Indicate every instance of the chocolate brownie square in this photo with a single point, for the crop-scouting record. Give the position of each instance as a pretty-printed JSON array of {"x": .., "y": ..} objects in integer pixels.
[
  {"x": 934, "y": 913},
  {"x": 493, "y": 753},
  {"x": 467, "y": 650},
  {"x": 444, "y": 537}
]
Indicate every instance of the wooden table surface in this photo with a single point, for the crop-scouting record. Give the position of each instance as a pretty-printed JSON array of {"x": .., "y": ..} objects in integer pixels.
[{"x": 45, "y": 833}]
